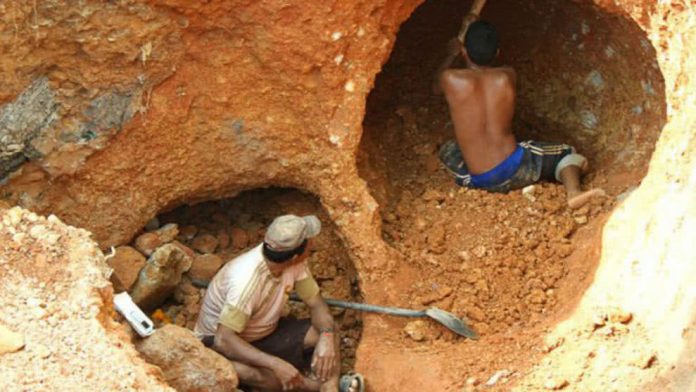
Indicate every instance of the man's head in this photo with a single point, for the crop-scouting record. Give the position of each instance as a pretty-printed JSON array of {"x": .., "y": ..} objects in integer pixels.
[
  {"x": 287, "y": 236},
  {"x": 481, "y": 43}
]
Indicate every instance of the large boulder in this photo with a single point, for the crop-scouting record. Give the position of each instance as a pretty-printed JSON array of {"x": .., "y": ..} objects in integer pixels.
[
  {"x": 160, "y": 276},
  {"x": 188, "y": 366}
]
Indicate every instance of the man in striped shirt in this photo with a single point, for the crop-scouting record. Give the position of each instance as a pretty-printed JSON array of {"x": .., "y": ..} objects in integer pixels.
[
  {"x": 242, "y": 314},
  {"x": 481, "y": 101}
]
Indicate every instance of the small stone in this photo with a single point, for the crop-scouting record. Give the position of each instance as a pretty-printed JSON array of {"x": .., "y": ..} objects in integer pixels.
[
  {"x": 620, "y": 316},
  {"x": 223, "y": 239},
  {"x": 556, "y": 383},
  {"x": 153, "y": 224},
  {"x": 433, "y": 195},
  {"x": 240, "y": 238},
  {"x": 41, "y": 351},
  {"x": 414, "y": 330},
  {"x": 476, "y": 314},
  {"x": 10, "y": 341},
  {"x": 473, "y": 381},
  {"x": 185, "y": 248},
  {"x": 479, "y": 251},
  {"x": 126, "y": 263},
  {"x": 528, "y": 192},
  {"x": 498, "y": 376},
  {"x": 204, "y": 267},
  {"x": 188, "y": 232},
  {"x": 581, "y": 220},
  {"x": 205, "y": 243},
  {"x": 643, "y": 359},
  {"x": 147, "y": 243},
  {"x": 167, "y": 233},
  {"x": 464, "y": 255}
]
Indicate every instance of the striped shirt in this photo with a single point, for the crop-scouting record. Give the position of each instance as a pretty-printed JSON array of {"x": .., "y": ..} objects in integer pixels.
[{"x": 245, "y": 296}]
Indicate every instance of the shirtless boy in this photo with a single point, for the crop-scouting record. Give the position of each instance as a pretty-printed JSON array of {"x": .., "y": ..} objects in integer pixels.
[{"x": 481, "y": 101}]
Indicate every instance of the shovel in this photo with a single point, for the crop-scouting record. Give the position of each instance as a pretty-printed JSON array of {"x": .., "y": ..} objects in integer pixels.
[{"x": 452, "y": 322}]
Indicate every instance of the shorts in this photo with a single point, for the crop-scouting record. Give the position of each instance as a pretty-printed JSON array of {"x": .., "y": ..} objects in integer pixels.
[
  {"x": 286, "y": 342},
  {"x": 531, "y": 162}
]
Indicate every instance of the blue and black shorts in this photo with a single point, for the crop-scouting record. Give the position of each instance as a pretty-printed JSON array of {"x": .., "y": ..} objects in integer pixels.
[{"x": 530, "y": 163}]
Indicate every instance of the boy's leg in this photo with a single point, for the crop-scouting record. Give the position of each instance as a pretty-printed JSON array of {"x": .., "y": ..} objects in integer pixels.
[{"x": 570, "y": 177}]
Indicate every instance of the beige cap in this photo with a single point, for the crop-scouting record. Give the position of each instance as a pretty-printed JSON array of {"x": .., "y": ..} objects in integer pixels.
[{"x": 287, "y": 232}]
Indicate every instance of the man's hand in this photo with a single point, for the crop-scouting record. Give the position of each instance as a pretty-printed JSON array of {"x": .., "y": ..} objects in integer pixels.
[
  {"x": 466, "y": 21},
  {"x": 324, "y": 358},
  {"x": 454, "y": 47},
  {"x": 290, "y": 378}
]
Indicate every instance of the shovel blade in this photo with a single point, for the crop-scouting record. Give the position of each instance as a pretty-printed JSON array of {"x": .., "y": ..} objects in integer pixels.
[{"x": 452, "y": 322}]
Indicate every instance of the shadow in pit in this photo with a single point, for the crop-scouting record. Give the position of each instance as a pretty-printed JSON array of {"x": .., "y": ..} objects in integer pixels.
[{"x": 235, "y": 225}]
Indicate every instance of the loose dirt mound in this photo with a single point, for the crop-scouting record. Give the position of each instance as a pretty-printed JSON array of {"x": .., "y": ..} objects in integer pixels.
[{"x": 55, "y": 294}]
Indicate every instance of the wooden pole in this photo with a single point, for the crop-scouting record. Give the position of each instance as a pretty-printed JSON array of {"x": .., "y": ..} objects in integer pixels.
[{"x": 475, "y": 9}]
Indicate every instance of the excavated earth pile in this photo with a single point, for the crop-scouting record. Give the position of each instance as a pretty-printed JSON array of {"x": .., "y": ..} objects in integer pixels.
[{"x": 112, "y": 114}]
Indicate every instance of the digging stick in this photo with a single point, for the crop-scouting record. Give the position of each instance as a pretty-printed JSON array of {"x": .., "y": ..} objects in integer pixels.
[{"x": 475, "y": 9}]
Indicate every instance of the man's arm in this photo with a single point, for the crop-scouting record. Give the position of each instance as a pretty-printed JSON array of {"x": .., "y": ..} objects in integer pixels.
[
  {"x": 229, "y": 344},
  {"x": 326, "y": 354},
  {"x": 453, "y": 51}
]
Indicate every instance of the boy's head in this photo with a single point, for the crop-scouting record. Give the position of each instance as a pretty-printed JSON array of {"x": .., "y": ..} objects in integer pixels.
[{"x": 481, "y": 43}]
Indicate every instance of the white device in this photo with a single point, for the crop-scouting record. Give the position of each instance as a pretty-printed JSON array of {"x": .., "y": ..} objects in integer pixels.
[{"x": 136, "y": 318}]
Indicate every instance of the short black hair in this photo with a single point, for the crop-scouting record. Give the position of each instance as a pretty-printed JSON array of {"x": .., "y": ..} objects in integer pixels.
[{"x": 481, "y": 42}]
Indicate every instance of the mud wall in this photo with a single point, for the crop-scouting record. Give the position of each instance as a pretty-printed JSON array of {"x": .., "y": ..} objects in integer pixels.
[{"x": 113, "y": 112}]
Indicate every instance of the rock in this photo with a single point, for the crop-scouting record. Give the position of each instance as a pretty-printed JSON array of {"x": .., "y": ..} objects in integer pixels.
[
  {"x": 643, "y": 358},
  {"x": 167, "y": 233},
  {"x": 433, "y": 195},
  {"x": 620, "y": 316},
  {"x": 153, "y": 224},
  {"x": 476, "y": 314},
  {"x": 146, "y": 243},
  {"x": 555, "y": 383},
  {"x": 528, "y": 193},
  {"x": 436, "y": 238},
  {"x": 479, "y": 251},
  {"x": 205, "y": 243},
  {"x": 10, "y": 341},
  {"x": 240, "y": 238},
  {"x": 126, "y": 263},
  {"x": 204, "y": 267},
  {"x": 187, "y": 233},
  {"x": 498, "y": 376},
  {"x": 160, "y": 276},
  {"x": 185, "y": 248},
  {"x": 415, "y": 330},
  {"x": 185, "y": 363},
  {"x": 223, "y": 239}
]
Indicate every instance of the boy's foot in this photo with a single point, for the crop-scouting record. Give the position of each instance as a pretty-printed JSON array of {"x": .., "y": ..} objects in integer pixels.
[{"x": 579, "y": 199}]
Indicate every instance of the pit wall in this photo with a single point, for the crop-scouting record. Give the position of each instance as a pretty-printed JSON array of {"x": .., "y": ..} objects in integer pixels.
[
  {"x": 647, "y": 266},
  {"x": 218, "y": 97}
]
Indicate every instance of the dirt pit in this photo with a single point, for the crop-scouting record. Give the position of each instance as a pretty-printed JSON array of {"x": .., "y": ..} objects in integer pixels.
[
  {"x": 238, "y": 224},
  {"x": 512, "y": 264}
]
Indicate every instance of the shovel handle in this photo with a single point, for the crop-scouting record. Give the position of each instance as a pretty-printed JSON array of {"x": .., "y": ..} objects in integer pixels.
[{"x": 369, "y": 308}]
